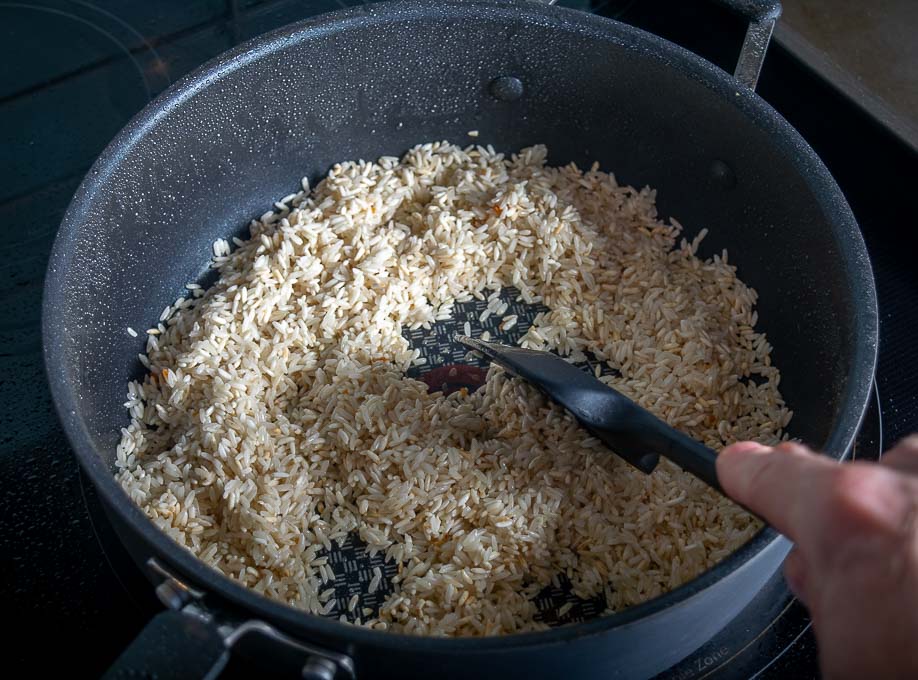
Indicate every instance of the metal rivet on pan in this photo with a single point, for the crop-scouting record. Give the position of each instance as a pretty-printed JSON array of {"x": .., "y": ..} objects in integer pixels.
[
  {"x": 172, "y": 595},
  {"x": 723, "y": 174},
  {"x": 317, "y": 668},
  {"x": 506, "y": 88}
]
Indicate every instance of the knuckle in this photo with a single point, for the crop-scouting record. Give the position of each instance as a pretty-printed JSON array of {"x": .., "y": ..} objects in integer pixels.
[
  {"x": 905, "y": 448},
  {"x": 855, "y": 496},
  {"x": 848, "y": 486},
  {"x": 903, "y": 457}
]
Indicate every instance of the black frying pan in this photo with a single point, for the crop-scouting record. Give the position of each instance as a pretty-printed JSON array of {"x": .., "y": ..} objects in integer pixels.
[{"x": 221, "y": 145}]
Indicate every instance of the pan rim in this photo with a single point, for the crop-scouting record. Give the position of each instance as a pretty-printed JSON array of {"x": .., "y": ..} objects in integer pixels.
[{"x": 856, "y": 263}]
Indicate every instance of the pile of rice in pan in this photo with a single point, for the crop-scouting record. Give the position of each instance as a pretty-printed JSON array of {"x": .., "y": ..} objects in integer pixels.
[{"x": 276, "y": 417}]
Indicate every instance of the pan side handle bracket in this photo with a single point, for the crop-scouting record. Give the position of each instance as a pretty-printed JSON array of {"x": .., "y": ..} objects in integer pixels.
[
  {"x": 192, "y": 639},
  {"x": 762, "y": 16}
]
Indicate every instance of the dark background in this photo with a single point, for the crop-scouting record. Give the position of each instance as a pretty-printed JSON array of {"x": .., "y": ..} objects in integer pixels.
[{"x": 74, "y": 72}]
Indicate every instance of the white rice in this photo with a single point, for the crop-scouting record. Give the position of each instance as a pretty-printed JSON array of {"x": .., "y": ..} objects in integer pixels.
[
  {"x": 375, "y": 581},
  {"x": 276, "y": 417}
]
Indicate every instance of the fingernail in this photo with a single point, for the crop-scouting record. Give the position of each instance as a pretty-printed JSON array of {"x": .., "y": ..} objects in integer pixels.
[{"x": 747, "y": 447}]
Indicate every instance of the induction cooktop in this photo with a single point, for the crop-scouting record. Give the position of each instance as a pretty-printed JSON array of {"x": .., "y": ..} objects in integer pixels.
[{"x": 74, "y": 73}]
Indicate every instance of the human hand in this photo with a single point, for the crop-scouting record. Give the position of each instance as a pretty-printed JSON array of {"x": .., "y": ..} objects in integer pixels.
[{"x": 855, "y": 560}]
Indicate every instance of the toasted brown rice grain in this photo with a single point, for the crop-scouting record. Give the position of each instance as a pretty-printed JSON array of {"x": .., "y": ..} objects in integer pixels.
[{"x": 276, "y": 416}]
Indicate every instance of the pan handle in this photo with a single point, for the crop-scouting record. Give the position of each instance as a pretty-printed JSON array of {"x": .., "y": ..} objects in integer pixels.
[
  {"x": 193, "y": 640},
  {"x": 172, "y": 646},
  {"x": 761, "y": 15}
]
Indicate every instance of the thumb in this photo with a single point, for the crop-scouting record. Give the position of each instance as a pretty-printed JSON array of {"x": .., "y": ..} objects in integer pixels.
[{"x": 773, "y": 482}]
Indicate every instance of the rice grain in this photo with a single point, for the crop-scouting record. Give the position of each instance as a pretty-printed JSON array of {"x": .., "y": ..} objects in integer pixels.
[{"x": 276, "y": 418}]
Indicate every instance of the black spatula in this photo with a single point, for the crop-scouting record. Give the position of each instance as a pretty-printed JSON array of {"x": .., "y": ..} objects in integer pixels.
[{"x": 632, "y": 432}]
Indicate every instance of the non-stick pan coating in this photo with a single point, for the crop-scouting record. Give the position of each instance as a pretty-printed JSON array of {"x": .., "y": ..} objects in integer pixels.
[{"x": 221, "y": 146}]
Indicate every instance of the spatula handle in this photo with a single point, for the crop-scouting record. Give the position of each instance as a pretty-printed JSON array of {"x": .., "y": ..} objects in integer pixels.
[{"x": 689, "y": 454}]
